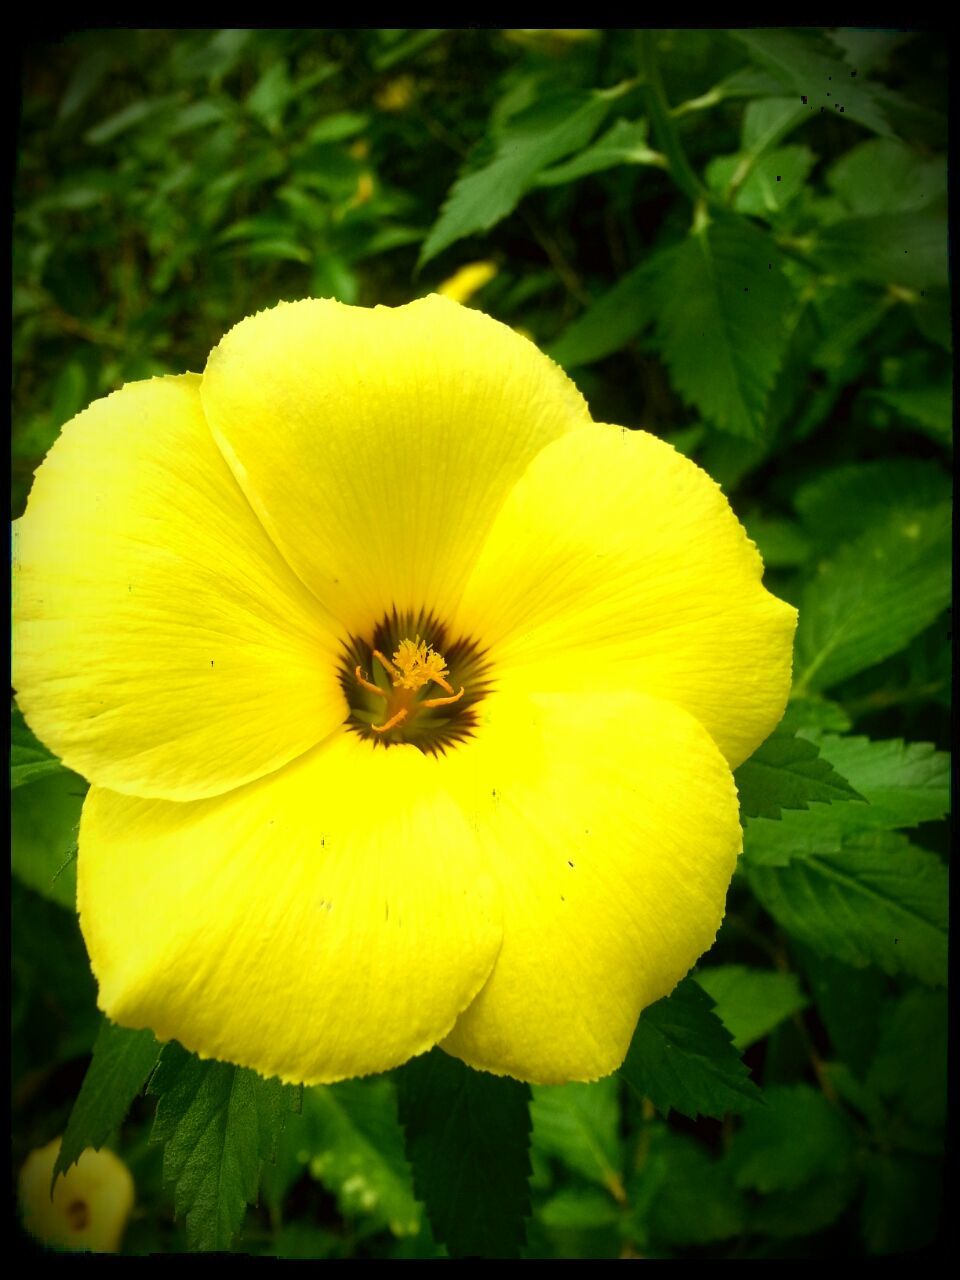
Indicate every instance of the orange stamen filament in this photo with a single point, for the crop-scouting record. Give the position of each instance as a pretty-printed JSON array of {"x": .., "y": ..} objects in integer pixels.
[
  {"x": 392, "y": 723},
  {"x": 369, "y": 685},
  {"x": 442, "y": 702},
  {"x": 387, "y": 665}
]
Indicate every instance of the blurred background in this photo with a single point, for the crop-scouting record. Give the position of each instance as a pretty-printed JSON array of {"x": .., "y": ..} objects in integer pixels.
[{"x": 736, "y": 240}]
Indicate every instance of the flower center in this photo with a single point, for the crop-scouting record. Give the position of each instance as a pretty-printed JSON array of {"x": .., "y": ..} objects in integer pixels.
[
  {"x": 424, "y": 693},
  {"x": 415, "y": 665}
]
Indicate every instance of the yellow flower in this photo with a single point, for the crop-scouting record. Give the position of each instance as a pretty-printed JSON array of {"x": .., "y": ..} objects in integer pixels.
[
  {"x": 396, "y": 95},
  {"x": 465, "y": 282},
  {"x": 90, "y": 1204},
  {"x": 364, "y": 191},
  {"x": 408, "y": 694}
]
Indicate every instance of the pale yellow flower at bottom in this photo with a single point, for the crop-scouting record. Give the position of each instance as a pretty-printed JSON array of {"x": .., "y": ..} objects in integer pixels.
[
  {"x": 409, "y": 696},
  {"x": 90, "y": 1204}
]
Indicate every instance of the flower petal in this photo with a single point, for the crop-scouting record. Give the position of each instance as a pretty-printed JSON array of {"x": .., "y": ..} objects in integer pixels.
[
  {"x": 612, "y": 824},
  {"x": 616, "y": 562},
  {"x": 162, "y": 646},
  {"x": 378, "y": 444},
  {"x": 328, "y": 921},
  {"x": 89, "y": 1205}
]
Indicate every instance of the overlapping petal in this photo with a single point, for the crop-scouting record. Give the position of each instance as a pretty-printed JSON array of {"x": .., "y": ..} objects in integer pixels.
[
  {"x": 616, "y": 562},
  {"x": 162, "y": 645},
  {"x": 328, "y": 921},
  {"x": 378, "y": 444},
  {"x": 611, "y": 823}
]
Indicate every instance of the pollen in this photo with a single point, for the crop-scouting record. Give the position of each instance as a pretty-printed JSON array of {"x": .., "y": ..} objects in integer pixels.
[{"x": 415, "y": 664}]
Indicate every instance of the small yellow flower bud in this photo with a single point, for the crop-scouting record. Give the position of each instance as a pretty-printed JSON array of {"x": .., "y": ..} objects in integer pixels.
[
  {"x": 396, "y": 95},
  {"x": 463, "y": 284},
  {"x": 90, "y": 1203}
]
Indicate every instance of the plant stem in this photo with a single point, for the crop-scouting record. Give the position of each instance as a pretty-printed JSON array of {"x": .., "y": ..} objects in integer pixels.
[{"x": 664, "y": 128}]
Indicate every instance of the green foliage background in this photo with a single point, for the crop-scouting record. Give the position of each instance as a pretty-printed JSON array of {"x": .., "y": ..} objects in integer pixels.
[{"x": 736, "y": 240}]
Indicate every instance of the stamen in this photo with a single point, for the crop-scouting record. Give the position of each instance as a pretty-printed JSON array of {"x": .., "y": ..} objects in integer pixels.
[
  {"x": 387, "y": 665},
  {"x": 369, "y": 685},
  {"x": 392, "y": 723},
  {"x": 442, "y": 702}
]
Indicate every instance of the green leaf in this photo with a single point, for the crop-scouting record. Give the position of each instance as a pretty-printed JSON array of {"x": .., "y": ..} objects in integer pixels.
[
  {"x": 874, "y": 597},
  {"x": 867, "y": 49},
  {"x": 877, "y": 900},
  {"x": 696, "y": 1202},
  {"x": 773, "y": 181},
  {"x": 847, "y": 314},
  {"x": 798, "y": 1152},
  {"x": 767, "y": 121},
  {"x": 808, "y": 64},
  {"x": 126, "y": 118},
  {"x": 807, "y": 1210},
  {"x": 909, "y": 180},
  {"x": 29, "y": 759},
  {"x": 352, "y": 1136},
  {"x": 44, "y": 822},
  {"x": 747, "y": 82},
  {"x": 796, "y": 1138},
  {"x": 721, "y": 324},
  {"x": 404, "y": 45},
  {"x": 624, "y": 143},
  {"x": 610, "y": 322},
  {"x": 782, "y": 543},
  {"x": 268, "y": 99},
  {"x": 902, "y": 1203},
  {"x": 850, "y": 1005},
  {"x": 468, "y": 1136},
  {"x": 85, "y": 80},
  {"x": 218, "y": 1123},
  {"x": 195, "y": 115},
  {"x": 336, "y": 128},
  {"x": 121, "y": 1065},
  {"x": 53, "y": 1016},
  {"x": 682, "y": 1058},
  {"x": 904, "y": 783},
  {"x": 783, "y": 773},
  {"x": 910, "y": 1066},
  {"x": 281, "y": 249},
  {"x": 932, "y": 313},
  {"x": 751, "y": 1002},
  {"x": 775, "y": 842},
  {"x": 930, "y": 408},
  {"x": 213, "y": 58},
  {"x": 579, "y": 1124},
  {"x": 300, "y": 1239},
  {"x": 482, "y": 198},
  {"x": 839, "y": 503},
  {"x": 815, "y": 712},
  {"x": 908, "y": 249},
  {"x": 578, "y": 1209}
]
